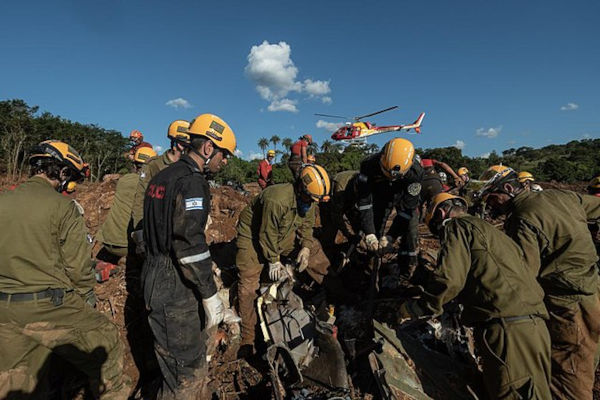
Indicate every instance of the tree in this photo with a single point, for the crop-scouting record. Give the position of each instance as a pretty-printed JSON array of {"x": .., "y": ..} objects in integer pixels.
[
  {"x": 275, "y": 140},
  {"x": 326, "y": 146},
  {"x": 16, "y": 127},
  {"x": 263, "y": 143},
  {"x": 287, "y": 143}
]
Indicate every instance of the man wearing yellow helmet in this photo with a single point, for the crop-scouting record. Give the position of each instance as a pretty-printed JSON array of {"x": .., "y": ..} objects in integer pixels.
[
  {"x": 527, "y": 181},
  {"x": 114, "y": 233},
  {"x": 177, "y": 272},
  {"x": 47, "y": 284},
  {"x": 551, "y": 228},
  {"x": 268, "y": 230},
  {"x": 484, "y": 270},
  {"x": 391, "y": 179},
  {"x": 265, "y": 170}
]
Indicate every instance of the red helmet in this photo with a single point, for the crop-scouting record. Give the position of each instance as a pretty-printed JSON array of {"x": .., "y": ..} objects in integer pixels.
[{"x": 308, "y": 138}]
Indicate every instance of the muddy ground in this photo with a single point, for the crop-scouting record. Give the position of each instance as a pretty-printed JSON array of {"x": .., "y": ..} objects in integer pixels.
[{"x": 232, "y": 379}]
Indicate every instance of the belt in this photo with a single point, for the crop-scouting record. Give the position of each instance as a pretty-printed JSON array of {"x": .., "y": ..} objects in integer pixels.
[
  {"x": 508, "y": 320},
  {"x": 55, "y": 294}
]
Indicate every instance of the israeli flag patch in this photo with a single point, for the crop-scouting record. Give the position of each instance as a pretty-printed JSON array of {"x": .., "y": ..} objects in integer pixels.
[{"x": 194, "y": 203}]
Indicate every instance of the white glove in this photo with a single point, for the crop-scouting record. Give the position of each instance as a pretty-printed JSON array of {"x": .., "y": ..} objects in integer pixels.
[
  {"x": 213, "y": 310},
  {"x": 372, "y": 242},
  {"x": 302, "y": 259},
  {"x": 385, "y": 241},
  {"x": 230, "y": 317},
  {"x": 276, "y": 271}
]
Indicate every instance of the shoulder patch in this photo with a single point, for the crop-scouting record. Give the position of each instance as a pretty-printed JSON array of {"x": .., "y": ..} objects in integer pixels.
[
  {"x": 79, "y": 207},
  {"x": 414, "y": 189},
  {"x": 143, "y": 174},
  {"x": 194, "y": 203}
]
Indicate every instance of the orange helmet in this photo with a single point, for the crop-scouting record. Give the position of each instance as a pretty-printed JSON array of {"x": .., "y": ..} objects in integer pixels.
[{"x": 135, "y": 134}]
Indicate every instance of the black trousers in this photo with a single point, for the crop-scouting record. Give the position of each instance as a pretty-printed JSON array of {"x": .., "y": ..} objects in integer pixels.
[{"x": 176, "y": 323}]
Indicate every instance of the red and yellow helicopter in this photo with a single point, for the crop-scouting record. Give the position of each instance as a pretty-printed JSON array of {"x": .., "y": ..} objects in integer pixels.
[{"x": 359, "y": 129}]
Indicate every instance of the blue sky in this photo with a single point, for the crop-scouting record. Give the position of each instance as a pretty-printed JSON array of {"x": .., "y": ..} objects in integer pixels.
[{"x": 489, "y": 75}]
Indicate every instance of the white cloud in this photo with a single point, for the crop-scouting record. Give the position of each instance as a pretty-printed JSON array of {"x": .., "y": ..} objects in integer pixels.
[
  {"x": 485, "y": 155},
  {"x": 238, "y": 153},
  {"x": 178, "y": 103},
  {"x": 490, "y": 132},
  {"x": 459, "y": 144},
  {"x": 326, "y": 100},
  {"x": 569, "y": 107},
  {"x": 158, "y": 149},
  {"x": 330, "y": 126},
  {"x": 274, "y": 73},
  {"x": 316, "y": 88},
  {"x": 255, "y": 156},
  {"x": 283, "y": 105}
]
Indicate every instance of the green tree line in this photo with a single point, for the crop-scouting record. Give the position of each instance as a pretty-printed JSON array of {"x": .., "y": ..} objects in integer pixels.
[{"x": 22, "y": 127}]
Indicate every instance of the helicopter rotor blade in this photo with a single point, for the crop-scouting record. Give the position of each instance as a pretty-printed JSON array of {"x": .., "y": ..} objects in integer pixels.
[
  {"x": 331, "y": 116},
  {"x": 375, "y": 113}
]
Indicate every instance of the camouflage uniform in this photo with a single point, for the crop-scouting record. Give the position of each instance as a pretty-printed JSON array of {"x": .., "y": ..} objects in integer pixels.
[
  {"x": 115, "y": 230},
  {"x": 46, "y": 278},
  {"x": 484, "y": 270},
  {"x": 551, "y": 228},
  {"x": 267, "y": 230},
  {"x": 340, "y": 213}
]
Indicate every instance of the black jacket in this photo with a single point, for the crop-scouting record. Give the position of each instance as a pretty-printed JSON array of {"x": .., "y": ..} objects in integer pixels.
[
  {"x": 375, "y": 190},
  {"x": 176, "y": 208}
]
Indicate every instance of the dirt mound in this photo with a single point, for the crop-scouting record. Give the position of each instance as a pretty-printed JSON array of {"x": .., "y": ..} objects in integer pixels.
[{"x": 227, "y": 204}]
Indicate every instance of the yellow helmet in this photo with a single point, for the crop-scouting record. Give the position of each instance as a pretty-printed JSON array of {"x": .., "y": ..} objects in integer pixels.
[
  {"x": 59, "y": 151},
  {"x": 594, "y": 183},
  {"x": 271, "y": 153},
  {"x": 71, "y": 186},
  {"x": 214, "y": 129},
  {"x": 178, "y": 131},
  {"x": 311, "y": 159},
  {"x": 495, "y": 177},
  {"x": 436, "y": 201},
  {"x": 143, "y": 154},
  {"x": 525, "y": 176},
  {"x": 315, "y": 182},
  {"x": 463, "y": 171},
  {"x": 396, "y": 157}
]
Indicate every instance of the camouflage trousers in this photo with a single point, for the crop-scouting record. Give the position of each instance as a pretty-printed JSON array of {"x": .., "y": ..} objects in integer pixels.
[
  {"x": 515, "y": 357},
  {"x": 250, "y": 266},
  {"x": 575, "y": 332},
  {"x": 33, "y": 331}
]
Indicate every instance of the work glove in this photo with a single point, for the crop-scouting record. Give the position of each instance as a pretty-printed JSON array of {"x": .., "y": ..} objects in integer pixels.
[
  {"x": 385, "y": 241},
  {"x": 372, "y": 242},
  {"x": 214, "y": 311},
  {"x": 138, "y": 239},
  {"x": 302, "y": 259},
  {"x": 276, "y": 271}
]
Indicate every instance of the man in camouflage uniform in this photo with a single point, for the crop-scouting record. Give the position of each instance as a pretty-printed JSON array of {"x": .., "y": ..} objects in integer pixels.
[
  {"x": 484, "y": 270},
  {"x": 47, "y": 285},
  {"x": 114, "y": 233},
  {"x": 551, "y": 228},
  {"x": 267, "y": 232}
]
